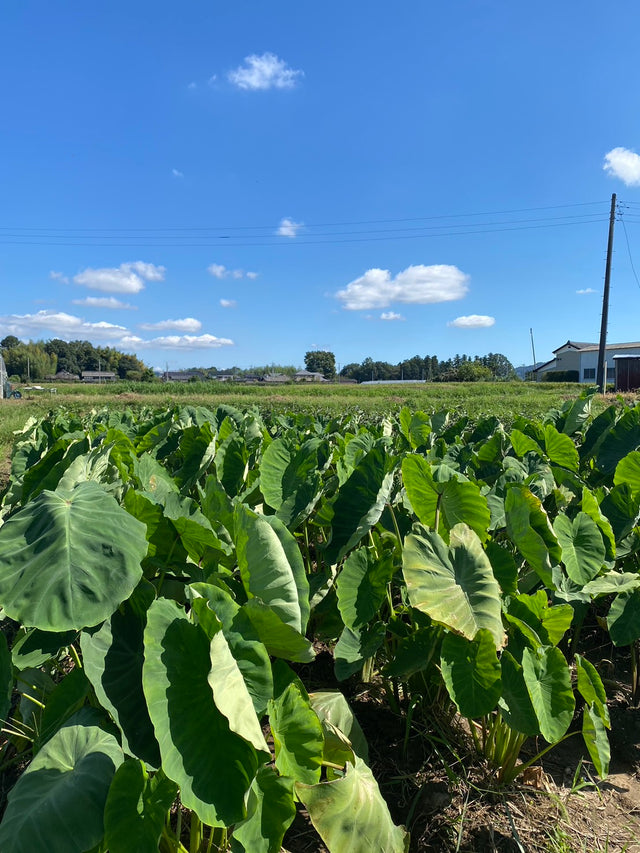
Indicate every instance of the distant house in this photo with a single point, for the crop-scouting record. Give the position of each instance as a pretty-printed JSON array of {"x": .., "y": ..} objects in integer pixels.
[
  {"x": 308, "y": 376},
  {"x": 63, "y": 376},
  {"x": 97, "y": 376},
  {"x": 277, "y": 378},
  {"x": 183, "y": 376},
  {"x": 582, "y": 358}
]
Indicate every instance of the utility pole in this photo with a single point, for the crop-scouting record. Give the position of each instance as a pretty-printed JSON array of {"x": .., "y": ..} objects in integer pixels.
[
  {"x": 601, "y": 379},
  {"x": 533, "y": 350}
]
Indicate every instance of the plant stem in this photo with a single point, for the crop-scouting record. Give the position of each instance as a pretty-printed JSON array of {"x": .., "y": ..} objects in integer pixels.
[{"x": 74, "y": 654}]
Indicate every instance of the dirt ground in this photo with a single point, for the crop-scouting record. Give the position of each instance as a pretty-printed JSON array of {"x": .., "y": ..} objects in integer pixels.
[{"x": 438, "y": 788}]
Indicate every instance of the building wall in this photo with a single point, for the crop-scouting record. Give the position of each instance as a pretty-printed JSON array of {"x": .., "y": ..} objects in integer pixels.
[{"x": 589, "y": 362}]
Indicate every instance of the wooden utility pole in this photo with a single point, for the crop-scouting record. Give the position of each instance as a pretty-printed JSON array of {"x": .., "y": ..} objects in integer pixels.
[{"x": 601, "y": 378}]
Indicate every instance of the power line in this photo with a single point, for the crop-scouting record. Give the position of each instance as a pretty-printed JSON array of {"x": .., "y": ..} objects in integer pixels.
[
  {"x": 207, "y": 241},
  {"x": 626, "y": 237},
  {"x": 272, "y": 226}
]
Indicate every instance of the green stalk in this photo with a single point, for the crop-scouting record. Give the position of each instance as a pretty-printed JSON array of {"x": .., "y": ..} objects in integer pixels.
[
  {"x": 195, "y": 833},
  {"x": 74, "y": 654}
]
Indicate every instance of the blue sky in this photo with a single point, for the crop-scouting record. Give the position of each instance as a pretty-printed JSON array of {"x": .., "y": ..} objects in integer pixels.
[{"x": 238, "y": 183}]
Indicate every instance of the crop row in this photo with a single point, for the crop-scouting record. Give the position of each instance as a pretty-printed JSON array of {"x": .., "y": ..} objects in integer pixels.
[{"x": 164, "y": 575}]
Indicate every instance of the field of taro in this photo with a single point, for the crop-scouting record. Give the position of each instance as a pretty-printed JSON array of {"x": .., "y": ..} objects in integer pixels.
[{"x": 168, "y": 578}]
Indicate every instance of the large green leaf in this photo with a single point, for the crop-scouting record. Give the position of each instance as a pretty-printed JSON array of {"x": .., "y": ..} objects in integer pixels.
[
  {"x": 515, "y": 703},
  {"x": 57, "y": 804},
  {"x": 297, "y": 731},
  {"x": 471, "y": 672},
  {"x": 271, "y": 566},
  {"x": 360, "y": 502},
  {"x": 454, "y": 585},
  {"x": 619, "y": 440},
  {"x": 583, "y": 550},
  {"x": 623, "y": 619},
  {"x": 67, "y": 697},
  {"x": 592, "y": 508},
  {"x": 80, "y": 546},
  {"x": 330, "y": 705},
  {"x": 548, "y": 681},
  {"x": 213, "y": 766},
  {"x": 628, "y": 471},
  {"x": 270, "y": 812},
  {"x": 136, "y": 809},
  {"x": 530, "y": 530},
  {"x": 113, "y": 657},
  {"x": 457, "y": 501},
  {"x": 244, "y": 641},
  {"x": 592, "y": 689},
  {"x": 560, "y": 448},
  {"x": 33, "y": 647},
  {"x": 356, "y": 646},
  {"x": 290, "y": 477},
  {"x": 362, "y": 586},
  {"x": 595, "y": 737},
  {"x": 350, "y": 814},
  {"x": 281, "y": 640}
]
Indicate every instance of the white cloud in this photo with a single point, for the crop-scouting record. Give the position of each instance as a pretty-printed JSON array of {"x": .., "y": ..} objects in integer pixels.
[
  {"x": 58, "y": 276},
  {"x": 187, "y": 342},
  {"x": 289, "y": 228},
  {"x": 109, "y": 302},
  {"x": 127, "y": 278},
  {"x": 624, "y": 164},
  {"x": 213, "y": 79},
  {"x": 217, "y": 270},
  {"x": 264, "y": 72},
  {"x": 417, "y": 285},
  {"x": 252, "y": 275},
  {"x": 228, "y": 303},
  {"x": 177, "y": 173},
  {"x": 193, "y": 85},
  {"x": 220, "y": 271},
  {"x": 150, "y": 272},
  {"x": 587, "y": 290},
  {"x": 391, "y": 315},
  {"x": 57, "y": 324},
  {"x": 473, "y": 321},
  {"x": 188, "y": 324}
]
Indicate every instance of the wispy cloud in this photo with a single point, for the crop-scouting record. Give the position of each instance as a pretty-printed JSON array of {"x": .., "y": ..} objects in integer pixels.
[
  {"x": 417, "y": 285},
  {"x": 473, "y": 321},
  {"x": 228, "y": 303},
  {"x": 264, "y": 71},
  {"x": 188, "y": 324},
  {"x": 108, "y": 302},
  {"x": 391, "y": 315},
  {"x": 127, "y": 278},
  {"x": 586, "y": 290},
  {"x": 220, "y": 271},
  {"x": 253, "y": 275},
  {"x": 58, "y": 276},
  {"x": 193, "y": 85},
  {"x": 183, "y": 342},
  {"x": 177, "y": 173},
  {"x": 289, "y": 228},
  {"x": 624, "y": 164}
]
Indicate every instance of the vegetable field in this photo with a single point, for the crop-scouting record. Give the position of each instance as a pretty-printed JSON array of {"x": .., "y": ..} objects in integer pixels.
[{"x": 170, "y": 579}]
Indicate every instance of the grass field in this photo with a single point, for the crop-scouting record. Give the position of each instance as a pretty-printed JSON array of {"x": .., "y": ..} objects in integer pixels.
[{"x": 506, "y": 400}]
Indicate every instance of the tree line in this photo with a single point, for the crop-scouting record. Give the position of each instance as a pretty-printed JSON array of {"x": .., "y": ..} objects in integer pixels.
[
  {"x": 461, "y": 368},
  {"x": 41, "y": 359}
]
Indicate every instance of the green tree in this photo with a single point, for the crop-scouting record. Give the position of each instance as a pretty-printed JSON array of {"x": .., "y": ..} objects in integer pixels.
[{"x": 321, "y": 361}]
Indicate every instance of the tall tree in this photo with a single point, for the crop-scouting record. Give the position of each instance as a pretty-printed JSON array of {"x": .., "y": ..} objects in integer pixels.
[{"x": 321, "y": 361}]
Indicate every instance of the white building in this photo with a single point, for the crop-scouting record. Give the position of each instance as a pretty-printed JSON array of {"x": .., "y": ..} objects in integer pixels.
[{"x": 582, "y": 358}]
